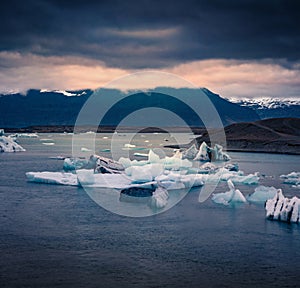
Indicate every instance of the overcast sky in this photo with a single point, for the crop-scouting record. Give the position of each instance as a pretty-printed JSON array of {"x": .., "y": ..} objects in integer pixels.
[{"x": 235, "y": 48}]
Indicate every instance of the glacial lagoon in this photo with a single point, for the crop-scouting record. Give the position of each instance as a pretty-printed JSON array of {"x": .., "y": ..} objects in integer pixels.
[{"x": 54, "y": 235}]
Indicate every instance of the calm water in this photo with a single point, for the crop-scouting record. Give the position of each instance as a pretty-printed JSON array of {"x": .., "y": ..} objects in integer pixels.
[{"x": 56, "y": 236}]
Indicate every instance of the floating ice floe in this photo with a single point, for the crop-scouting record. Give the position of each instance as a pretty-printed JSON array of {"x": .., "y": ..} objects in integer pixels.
[
  {"x": 262, "y": 194},
  {"x": 84, "y": 149},
  {"x": 7, "y": 144},
  {"x": 292, "y": 178},
  {"x": 127, "y": 145},
  {"x": 53, "y": 178},
  {"x": 146, "y": 173},
  {"x": 26, "y": 135},
  {"x": 230, "y": 197},
  {"x": 144, "y": 155},
  {"x": 284, "y": 209},
  {"x": 59, "y": 157},
  {"x": 87, "y": 178}
]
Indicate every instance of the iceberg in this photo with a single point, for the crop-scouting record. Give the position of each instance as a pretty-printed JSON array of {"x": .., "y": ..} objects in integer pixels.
[
  {"x": 159, "y": 198},
  {"x": 7, "y": 144},
  {"x": 230, "y": 197},
  {"x": 99, "y": 163},
  {"x": 281, "y": 208},
  {"x": 84, "y": 149},
  {"x": 147, "y": 173},
  {"x": 171, "y": 163},
  {"x": 291, "y": 178},
  {"x": 207, "y": 153},
  {"x": 156, "y": 198},
  {"x": 236, "y": 177},
  {"x": 58, "y": 157},
  {"x": 232, "y": 167},
  {"x": 128, "y": 146},
  {"x": 262, "y": 194},
  {"x": 141, "y": 155},
  {"x": 190, "y": 153},
  {"x": 178, "y": 180},
  {"x": 53, "y": 178},
  {"x": 107, "y": 164},
  {"x": 217, "y": 153},
  {"x": 26, "y": 135},
  {"x": 203, "y": 153},
  {"x": 74, "y": 163},
  {"x": 88, "y": 178}
]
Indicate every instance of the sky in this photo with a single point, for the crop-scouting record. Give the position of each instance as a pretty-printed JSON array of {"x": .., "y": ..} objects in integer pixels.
[{"x": 238, "y": 49}]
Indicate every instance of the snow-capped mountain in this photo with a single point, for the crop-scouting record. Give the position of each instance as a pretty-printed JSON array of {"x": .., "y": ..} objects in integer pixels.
[
  {"x": 59, "y": 107},
  {"x": 271, "y": 107},
  {"x": 54, "y": 108}
]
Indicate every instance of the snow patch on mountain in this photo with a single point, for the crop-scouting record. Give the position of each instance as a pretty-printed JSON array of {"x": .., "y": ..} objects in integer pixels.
[
  {"x": 265, "y": 103},
  {"x": 64, "y": 92}
]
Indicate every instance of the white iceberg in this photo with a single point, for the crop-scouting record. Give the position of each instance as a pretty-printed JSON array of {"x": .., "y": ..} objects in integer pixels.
[
  {"x": 230, "y": 197},
  {"x": 84, "y": 149},
  {"x": 190, "y": 153},
  {"x": 232, "y": 167},
  {"x": 217, "y": 153},
  {"x": 53, "y": 178},
  {"x": 7, "y": 144},
  {"x": 144, "y": 155},
  {"x": 283, "y": 209},
  {"x": 109, "y": 165},
  {"x": 74, "y": 163},
  {"x": 291, "y": 178},
  {"x": 58, "y": 157},
  {"x": 147, "y": 173},
  {"x": 202, "y": 154},
  {"x": 128, "y": 145},
  {"x": 88, "y": 178},
  {"x": 207, "y": 153},
  {"x": 26, "y": 135},
  {"x": 236, "y": 177},
  {"x": 262, "y": 194},
  {"x": 159, "y": 198},
  {"x": 175, "y": 162}
]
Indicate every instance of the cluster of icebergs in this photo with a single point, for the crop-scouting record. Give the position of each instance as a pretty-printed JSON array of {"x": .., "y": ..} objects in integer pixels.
[
  {"x": 152, "y": 179},
  {"x": 159, "y": 174}
]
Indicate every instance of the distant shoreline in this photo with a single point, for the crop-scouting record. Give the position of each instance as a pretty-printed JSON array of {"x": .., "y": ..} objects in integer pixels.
[{"x": 104, "y": 129}]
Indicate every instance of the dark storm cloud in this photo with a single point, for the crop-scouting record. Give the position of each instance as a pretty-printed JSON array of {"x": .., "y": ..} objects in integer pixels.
[{"x": 144, "y": 34}]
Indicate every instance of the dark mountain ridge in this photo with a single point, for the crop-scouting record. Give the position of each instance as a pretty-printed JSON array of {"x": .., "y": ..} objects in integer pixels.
[{"x": 39, "y": 108}]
